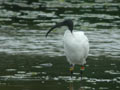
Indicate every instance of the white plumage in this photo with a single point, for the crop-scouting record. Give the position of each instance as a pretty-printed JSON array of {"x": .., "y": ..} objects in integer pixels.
[{"x": 76, "y": 47}]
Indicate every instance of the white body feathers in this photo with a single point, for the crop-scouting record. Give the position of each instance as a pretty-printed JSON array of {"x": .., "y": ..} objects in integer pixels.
[{"x": 76, "y": 47}]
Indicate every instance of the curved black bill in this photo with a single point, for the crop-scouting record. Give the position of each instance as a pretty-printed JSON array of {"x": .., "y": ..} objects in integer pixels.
[
  {"x": 67, "y": 22},
  {"x": 55, "y": 26}
]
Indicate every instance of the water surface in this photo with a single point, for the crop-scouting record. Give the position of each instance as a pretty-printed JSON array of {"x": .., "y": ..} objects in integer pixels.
[{"x": 29, "y": 61}]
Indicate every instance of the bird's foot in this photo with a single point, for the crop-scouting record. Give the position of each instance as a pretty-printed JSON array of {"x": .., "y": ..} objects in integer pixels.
[{"x": 82, "y": 68}]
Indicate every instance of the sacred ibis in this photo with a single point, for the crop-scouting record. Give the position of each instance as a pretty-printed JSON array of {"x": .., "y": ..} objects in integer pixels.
[{"x": 76, "y": 45}]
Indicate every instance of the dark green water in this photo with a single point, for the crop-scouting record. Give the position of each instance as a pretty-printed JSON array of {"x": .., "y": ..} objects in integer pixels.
[{"x": 29, "y": 61}]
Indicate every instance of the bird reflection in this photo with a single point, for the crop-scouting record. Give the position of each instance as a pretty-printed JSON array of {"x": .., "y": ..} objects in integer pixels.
[{"x": 72, "y": 87}]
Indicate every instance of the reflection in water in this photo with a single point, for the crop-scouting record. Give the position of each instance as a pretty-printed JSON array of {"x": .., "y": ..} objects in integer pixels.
[
  {"x": 51, "y": 72},
  {"x": 72, "y": 87},
  {"x": 29, "y": 61}
]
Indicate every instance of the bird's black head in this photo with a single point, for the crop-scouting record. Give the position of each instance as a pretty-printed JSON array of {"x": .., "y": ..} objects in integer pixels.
[{"x": 67, "y": 22}]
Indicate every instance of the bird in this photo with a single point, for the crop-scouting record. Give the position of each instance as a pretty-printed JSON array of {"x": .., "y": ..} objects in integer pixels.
[{"x": 76, "y": 45}]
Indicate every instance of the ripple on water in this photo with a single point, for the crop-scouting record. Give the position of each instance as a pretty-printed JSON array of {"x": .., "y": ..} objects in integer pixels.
[
  {"x": 112, "y": 72},
  {"x": 23, "y": 32},
  {"x": 46, "y": 65},
  {"x": 11, "y": 70},
  {"x": 85, "y": 15}
]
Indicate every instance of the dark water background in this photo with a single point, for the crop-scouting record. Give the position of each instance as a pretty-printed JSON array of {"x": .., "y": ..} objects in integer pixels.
[{"x": 29, "y": 61}]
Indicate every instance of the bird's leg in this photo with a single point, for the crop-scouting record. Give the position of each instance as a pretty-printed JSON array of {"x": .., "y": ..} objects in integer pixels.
[
  {"x": 82, "y": 68},
  {"x": 71, "y": 69}
]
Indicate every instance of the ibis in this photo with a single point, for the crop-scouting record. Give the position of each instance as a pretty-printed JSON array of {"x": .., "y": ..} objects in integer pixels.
[{"x": 76, "y": 45}]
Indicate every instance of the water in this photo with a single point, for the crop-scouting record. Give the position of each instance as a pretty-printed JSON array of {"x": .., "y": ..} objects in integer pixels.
[{"x": 29, "y": 61}]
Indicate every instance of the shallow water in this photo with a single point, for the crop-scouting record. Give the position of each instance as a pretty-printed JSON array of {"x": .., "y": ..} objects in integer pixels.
[{"x": 29, "y": 61}]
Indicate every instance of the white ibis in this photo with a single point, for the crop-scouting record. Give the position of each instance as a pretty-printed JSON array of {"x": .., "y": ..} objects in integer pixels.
[{"x": 76, "y": 45}]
